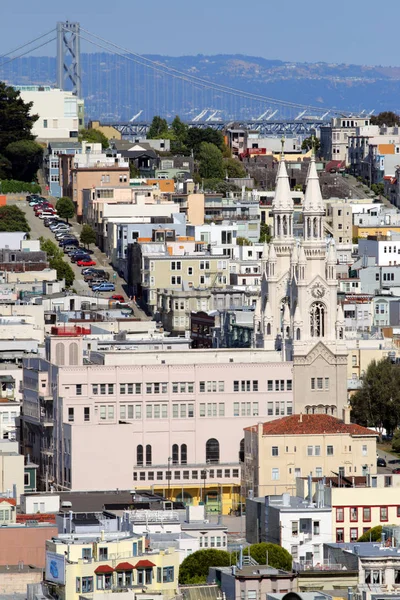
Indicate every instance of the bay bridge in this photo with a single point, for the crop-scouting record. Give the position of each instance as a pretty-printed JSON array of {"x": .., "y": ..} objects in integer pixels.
[{"x": 125, "y": 89}]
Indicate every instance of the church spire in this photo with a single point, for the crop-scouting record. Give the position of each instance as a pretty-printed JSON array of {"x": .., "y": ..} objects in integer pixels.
[
  {"x": 282, "y": 206},
  {"x": 314, "y": 208}
]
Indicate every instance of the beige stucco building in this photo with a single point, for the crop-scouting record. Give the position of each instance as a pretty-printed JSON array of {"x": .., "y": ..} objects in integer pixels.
[{"x": 278, "y": 452}]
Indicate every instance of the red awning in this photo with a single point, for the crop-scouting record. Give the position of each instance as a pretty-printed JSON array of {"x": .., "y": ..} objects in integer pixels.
[
  {"x": 144, "y": 564},
  {"x": 124, "y": 566},
  {"x": 103, "y": 569}
]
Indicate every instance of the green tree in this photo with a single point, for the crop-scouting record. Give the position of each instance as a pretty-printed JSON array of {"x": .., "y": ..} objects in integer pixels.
[
  {"x": 194, "y": 569},
  {"x": 309, "y": 142},
  {"x": 386, "y": 117},
  {"x": 271, "y": 554},
  {"x": 5, "y": 168},
  {"x": 377, "y": 403},
  {"x": 88, "y": 235},
  {"x": 211, "y": 164},
  {"x": 378, "y": 189},
  {"x": 64, "y": 270},
  {"x": 25, "y": 157},
  {"x": 396, "y": 441},
  {"x": 178, "y": 137},
  {"x": 196, "y": 136},
  {"x": 218, "y": 185},
  {"x": 234, "y": 168},
  {"x": 134, "y": 172},
  {"x": 374, "y": 535},
  {"x": 13, "y": 218},
  {"x": 65, "y": 208},
  {"x": 15, "y": 118},
  {"x": 158, "y": 128},
  {"x": 94, "y": 136},
  {"x": 265, "y": 233},
  {"x": 242, "y": 241},
  {"x": 51, "y": 249}
]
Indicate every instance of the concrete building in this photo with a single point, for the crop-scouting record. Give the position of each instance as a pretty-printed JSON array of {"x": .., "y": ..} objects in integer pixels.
[
  {"x": 335, "y": 137},
  {"x": 301, "y": 527},
  {"x": 60, "y": 112},
  {"x": 385, "y": 249},
  {"x": 115, "y": 562},
  {"x": 92, "y": 168},
  {"x": 51, "y": 163},
  {"x": 248, "y": 581},
  {"x": 338, "y": 219},
  {"x": 25, "y": 543},
  {"x": 278, "y": 452}
]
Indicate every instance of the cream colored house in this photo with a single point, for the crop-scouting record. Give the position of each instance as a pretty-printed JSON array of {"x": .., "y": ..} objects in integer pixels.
[
  {"x": 277, "y": 452},
  {"x": 112, "y": 563}
]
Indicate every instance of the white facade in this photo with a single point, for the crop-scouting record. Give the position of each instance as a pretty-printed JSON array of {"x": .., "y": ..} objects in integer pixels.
[
  {"x": 36, "y": 503},
  {"x": 386, "y": 252},
  {"x": 57, "y": 109}
]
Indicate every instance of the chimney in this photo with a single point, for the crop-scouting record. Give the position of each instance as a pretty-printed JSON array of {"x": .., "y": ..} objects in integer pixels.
[{"x": 346, "y": 415}]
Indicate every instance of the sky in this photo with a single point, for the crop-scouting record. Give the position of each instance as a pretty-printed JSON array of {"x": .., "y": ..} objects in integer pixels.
[{"x": 289, "y": 30}]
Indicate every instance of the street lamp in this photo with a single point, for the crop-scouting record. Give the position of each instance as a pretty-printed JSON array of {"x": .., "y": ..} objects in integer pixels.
[{"x": 169, "y": 475}]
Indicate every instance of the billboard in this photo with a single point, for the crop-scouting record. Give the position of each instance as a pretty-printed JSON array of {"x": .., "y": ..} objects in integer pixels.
[{"x": 55, "y": 567}]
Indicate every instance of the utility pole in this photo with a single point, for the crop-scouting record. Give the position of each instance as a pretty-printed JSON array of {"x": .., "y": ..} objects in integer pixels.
[{"x": 69, "y": 57}]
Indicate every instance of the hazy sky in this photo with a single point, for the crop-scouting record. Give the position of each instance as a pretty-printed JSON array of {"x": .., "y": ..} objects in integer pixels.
[{"x": 297, "y": 30}]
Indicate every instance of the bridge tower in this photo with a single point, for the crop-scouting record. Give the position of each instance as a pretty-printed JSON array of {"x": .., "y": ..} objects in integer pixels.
[{"x": 69, "y": 57}]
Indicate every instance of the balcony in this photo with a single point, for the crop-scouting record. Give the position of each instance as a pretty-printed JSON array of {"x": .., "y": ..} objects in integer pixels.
[
  {"x": 47, "y": 420},
  {"x": 47, "y": 450},
  {"x": 45, "y": 397}
]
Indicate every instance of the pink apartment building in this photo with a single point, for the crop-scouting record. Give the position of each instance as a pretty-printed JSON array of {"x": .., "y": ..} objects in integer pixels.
[{"x": 170, "y": 421}]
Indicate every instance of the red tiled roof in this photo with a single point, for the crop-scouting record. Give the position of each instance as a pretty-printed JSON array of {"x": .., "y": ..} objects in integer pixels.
[
  {"x": 9, "y": 500},
  {"x": 124, "y": 566},
  {"x": 40, "y": 517},
  {"x": 144, "y": 564},
  {"x": 103, "y": 569},
  {"x": 312, "y": 424}
]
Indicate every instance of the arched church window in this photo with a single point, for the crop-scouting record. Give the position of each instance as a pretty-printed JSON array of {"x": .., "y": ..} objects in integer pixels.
[
  {"x": 315, "y": 227},
  {"x": 341, "y": 333},
  {"x": 309, "y": 227},
  {"x": 284, "y": 225},
  {"x": 268, "y": 328},
  {"x": 298, "y": 333},
  {"x": 287, "y": 331},
  {"x": 317, "y": 320}
]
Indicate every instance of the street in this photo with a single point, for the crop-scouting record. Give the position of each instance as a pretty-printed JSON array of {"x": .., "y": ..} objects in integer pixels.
[{"x": 38, "y": 229}]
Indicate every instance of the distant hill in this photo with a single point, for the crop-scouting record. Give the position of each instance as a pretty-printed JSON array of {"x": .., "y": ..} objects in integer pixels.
[{"x": 116, "y": 88}]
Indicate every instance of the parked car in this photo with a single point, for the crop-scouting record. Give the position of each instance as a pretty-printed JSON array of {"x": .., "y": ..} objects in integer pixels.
[
  {"x": 91, "y": 273},
  {"x": 79, "y": 258},
  {"x": 394, "y": 461},
  {"x": 59, "y": 227},
  {"x": 381, "y": 462},
  {"x": 396, "y": 471},
  {"x": 46, "y": 213},
  {"x": 77, "y": 250},
  {"x": 117, "y": 297},
  {"x": 66, "y": 241},
  {"x": 107, "y": 287},
  {"x": 96, "y": 282},
  {"x": 86, "y": 263},
  {"x": 70, "y": 246}
]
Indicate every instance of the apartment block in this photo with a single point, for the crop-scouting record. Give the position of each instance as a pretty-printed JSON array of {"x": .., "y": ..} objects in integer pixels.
[{"x": 278, "y": 452}]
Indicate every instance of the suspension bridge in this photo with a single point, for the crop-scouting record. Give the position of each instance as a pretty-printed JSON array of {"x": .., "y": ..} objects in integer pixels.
[{"x": 125, "y": 89}]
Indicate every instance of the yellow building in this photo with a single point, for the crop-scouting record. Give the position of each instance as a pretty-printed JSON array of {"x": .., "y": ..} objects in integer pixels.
[
  {"x": 278, "y": 452},
  {"x": 109, "y": 131},
  {"x": 77, "y": 565},
  {"x": 363, "y": 231}
]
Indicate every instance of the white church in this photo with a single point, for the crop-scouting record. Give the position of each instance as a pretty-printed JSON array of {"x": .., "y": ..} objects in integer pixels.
[{"x": 297, "y": 312}]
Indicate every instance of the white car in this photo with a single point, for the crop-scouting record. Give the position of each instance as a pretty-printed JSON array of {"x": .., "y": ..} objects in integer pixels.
[{"x": 46, "y": 214}]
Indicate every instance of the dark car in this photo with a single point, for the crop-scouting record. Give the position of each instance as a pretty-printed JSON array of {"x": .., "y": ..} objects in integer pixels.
[
  {"x": 381, "y": 462},
  {"x": 396, "y": 471},
  {"x": 394, "y": 461},
  {"x": 91, "y": 271},
  {"x": 78, "y": 257}
]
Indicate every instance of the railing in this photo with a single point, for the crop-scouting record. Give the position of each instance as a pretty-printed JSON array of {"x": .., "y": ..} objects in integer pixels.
[{"x": 323, "y": 565}]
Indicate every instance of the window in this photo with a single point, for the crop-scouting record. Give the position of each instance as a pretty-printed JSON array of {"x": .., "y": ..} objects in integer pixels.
[
  {"x": 86, "y": 413},
  {"x": 183, "y": 454},
  {"x": 316, "y": 528},
  {"x": 275, "y": 474},
  {"x": 383, "y": 513},
  {"x": 87, "y": 584},
  {"x": 353, "y": 534},
  {"x": 289, "y": 385},
  {"x": 176, "y": 280},
  {"x": 329, "y": 450},
  {"x": 270, "y": 385},
  {"x": 294, "y": 552},
  {"x": 103, "y": 553},
  {"x": 295, "y": 528},
  {"x": 148, "y": 454},
  {"x": 79, "y": 389},
  {"x": 310, "y": 450},
  {"x": 139, "y": 455},
  {"x": 275, "y": 451},
  {"x": 353, "y": 513},
  {"x": 339, "y": 535},
  {"x": 212, "y": 451},
  {"x": 70, "y": 414},
  {"x": 255, "y": 386},
  {"x": 86, "y": 553},
  {"x": 175, "y": 454},
  {"x": 364, "y": 450},
  {"x": 366, "y": 514},
  {"x": 270, "y": 408},
  {"x": 340, "y": 515},
  {"x": 317, "y": 320}
]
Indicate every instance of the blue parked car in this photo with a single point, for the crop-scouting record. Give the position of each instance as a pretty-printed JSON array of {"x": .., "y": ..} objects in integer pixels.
[{"x": 104, "y": 287}]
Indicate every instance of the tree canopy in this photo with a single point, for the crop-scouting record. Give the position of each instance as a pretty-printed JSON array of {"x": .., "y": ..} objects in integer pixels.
[
  {"x": 309, "y": 142},
  {"x": 265, "y": 233},
  {"x": 377, "y": 403},
  {"x": 94, "y": 136},
  {"x": 65, "y": 208},
  {"x": 271, "y": 554},
  {"x": 386, "y": 117},
  {"x": 25, "y": 157},
  {"x": 158, "y": 128},
  {"x": 211, "y": 163},
  {"x": 374, "y": 535},
  {"x": 88, "y": 235},
  {"x": 234, "y": 168},
  {"x": 56, "y": 261},
  {"x": 15, "y": 118},
  {"x": 194, "y": 569},
  {"x": 13, "y": 218}
]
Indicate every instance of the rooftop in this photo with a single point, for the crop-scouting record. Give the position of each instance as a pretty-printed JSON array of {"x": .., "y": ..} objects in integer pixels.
[
  {"x": 367, "y": 549},
  {"x": 316, "y": 424}
]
